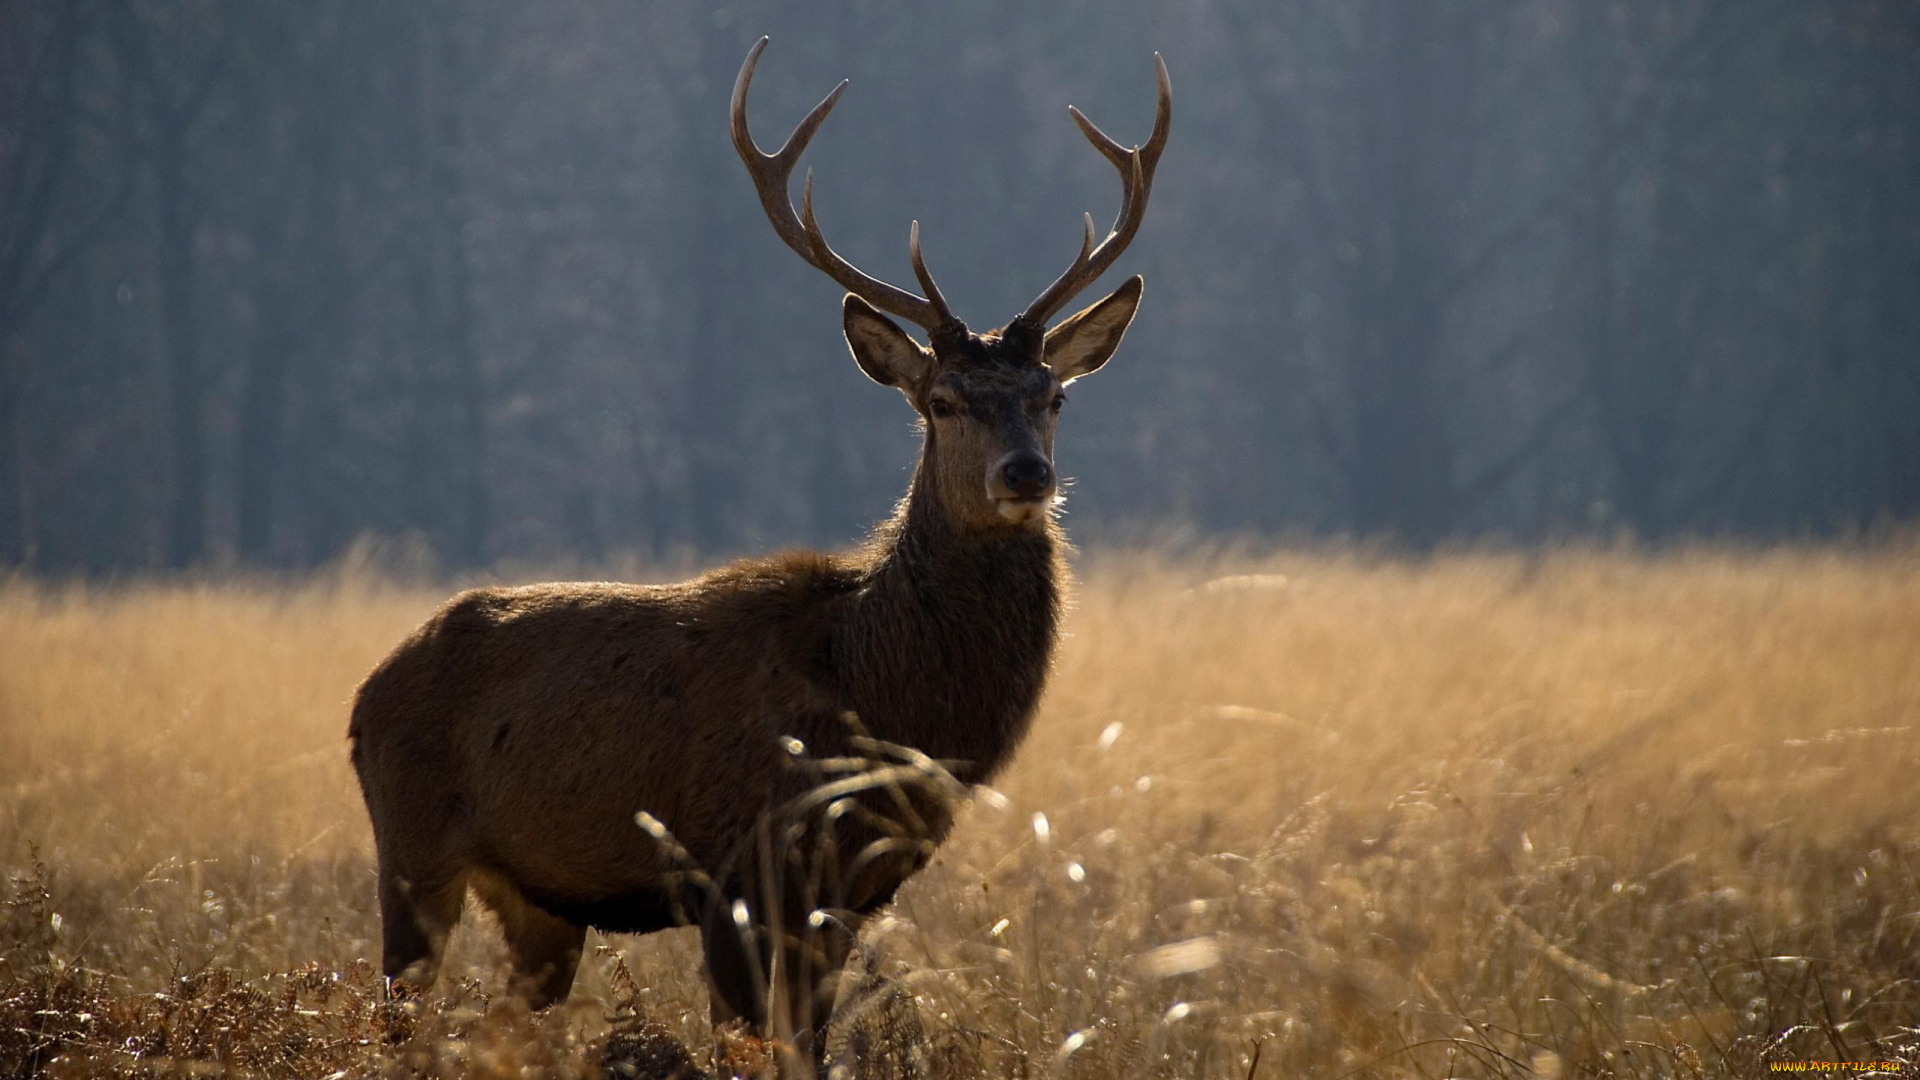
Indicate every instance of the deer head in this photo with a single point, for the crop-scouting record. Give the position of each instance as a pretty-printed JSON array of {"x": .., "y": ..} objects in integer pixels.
[{"x": 990, "y": 402}]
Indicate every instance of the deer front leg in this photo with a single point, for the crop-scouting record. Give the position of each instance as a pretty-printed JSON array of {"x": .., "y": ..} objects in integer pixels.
[
  {"x": 738, "y": 965},
  {"x": 807, "y": 981}
]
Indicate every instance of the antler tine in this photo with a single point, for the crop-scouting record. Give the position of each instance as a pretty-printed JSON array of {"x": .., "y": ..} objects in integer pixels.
[
  {"x": 771, "y": 175},
  {"x": 927, "y": 286},
  {"x": 1086, "y": 242},
  {"x": 1136, "y": 179}
]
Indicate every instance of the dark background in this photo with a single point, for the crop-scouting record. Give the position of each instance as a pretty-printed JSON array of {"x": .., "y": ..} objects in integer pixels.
[{"x": 276, "y": 276}]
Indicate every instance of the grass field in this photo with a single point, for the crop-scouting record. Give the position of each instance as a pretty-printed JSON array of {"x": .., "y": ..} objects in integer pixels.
[{"x": 1576, "y": 814}]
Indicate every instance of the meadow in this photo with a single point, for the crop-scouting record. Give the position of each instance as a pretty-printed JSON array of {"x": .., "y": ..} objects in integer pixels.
[{"x": 1564, "y": 814}]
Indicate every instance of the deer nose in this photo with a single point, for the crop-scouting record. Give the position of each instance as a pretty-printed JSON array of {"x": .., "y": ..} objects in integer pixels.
[{"x": 1027, "y": 476}]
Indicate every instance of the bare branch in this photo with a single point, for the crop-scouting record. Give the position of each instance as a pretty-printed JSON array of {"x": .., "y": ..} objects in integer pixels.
[
  {"x": 1473, "y": 491},
  {"x": 1617, "y": 137}
]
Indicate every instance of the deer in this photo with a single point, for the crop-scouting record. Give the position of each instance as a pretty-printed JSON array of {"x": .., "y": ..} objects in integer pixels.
[{"x": 629, "y": 757}]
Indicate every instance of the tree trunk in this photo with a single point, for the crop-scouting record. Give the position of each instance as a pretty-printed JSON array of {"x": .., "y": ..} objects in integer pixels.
[
  {"x": 263, "y": 411},
  {"x": 709, "y": 346},
  {"x": 1401, "y": 474},
  {"x": 186, "y": 537},
  {"x": 16, "y": 502}
]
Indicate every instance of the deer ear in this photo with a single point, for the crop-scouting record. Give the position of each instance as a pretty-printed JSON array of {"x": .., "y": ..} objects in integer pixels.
[
  {"x": 881, "y": 348},
  {"x": 1082, "y": 343}
]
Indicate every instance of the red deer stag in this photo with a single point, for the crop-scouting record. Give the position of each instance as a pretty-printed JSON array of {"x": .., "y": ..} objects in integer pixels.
[{"x": 607, "y": 755}]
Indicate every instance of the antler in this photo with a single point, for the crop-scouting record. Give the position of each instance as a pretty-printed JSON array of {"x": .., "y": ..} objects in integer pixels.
[
  {"x": 1136, "y": 178},
  {"x": 771, "y": 174}
]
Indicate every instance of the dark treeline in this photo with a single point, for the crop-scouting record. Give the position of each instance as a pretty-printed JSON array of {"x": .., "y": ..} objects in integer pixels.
[{"x": 274, "y": 276}]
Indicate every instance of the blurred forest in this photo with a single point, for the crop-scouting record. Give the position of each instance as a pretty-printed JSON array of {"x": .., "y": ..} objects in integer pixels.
[{"x": 275, "y": 276}]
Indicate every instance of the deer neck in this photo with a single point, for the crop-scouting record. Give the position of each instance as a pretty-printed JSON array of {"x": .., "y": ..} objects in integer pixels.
[{"x": 959, "y": 628}]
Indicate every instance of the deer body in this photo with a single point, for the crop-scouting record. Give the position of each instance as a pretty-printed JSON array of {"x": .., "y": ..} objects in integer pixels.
[
  {"x": 513, "y": 739},
  {"x": 625, "y": 756}
]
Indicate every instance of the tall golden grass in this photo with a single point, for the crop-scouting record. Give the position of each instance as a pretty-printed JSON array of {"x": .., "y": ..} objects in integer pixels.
[{"x": 1567, "y": 814}]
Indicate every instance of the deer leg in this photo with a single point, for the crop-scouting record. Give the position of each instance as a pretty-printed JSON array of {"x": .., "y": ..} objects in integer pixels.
[
  {"x": 546, "y": 952},
  {"x": 738, "y": 966},
  {"x": 545, "y": 948},
  {"x": 808, "y": 977},
  {"x": 416, "y": 915}
]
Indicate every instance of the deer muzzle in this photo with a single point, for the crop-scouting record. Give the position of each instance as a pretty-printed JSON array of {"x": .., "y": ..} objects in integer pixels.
[{"x": 1021, "y": 484}]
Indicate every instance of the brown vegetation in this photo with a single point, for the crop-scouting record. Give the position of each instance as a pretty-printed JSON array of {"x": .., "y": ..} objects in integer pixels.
[{"x": 1498, "y": 815}]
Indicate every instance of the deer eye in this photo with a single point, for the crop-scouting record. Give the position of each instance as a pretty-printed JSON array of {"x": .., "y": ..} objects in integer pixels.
[
  {"x": 1059, "y": 401},
  {"x": 942, "y": 407}
]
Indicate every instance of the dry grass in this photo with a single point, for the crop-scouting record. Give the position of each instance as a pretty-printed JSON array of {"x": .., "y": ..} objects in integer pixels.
[{"x": 1485, "y": 815}]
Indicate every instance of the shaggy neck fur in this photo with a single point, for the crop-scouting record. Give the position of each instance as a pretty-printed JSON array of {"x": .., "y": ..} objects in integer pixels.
[{"x": 954, "y": 629}]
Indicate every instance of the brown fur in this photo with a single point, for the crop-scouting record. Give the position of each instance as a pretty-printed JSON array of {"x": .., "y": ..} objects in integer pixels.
[{"x": 510, "y": 742}]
